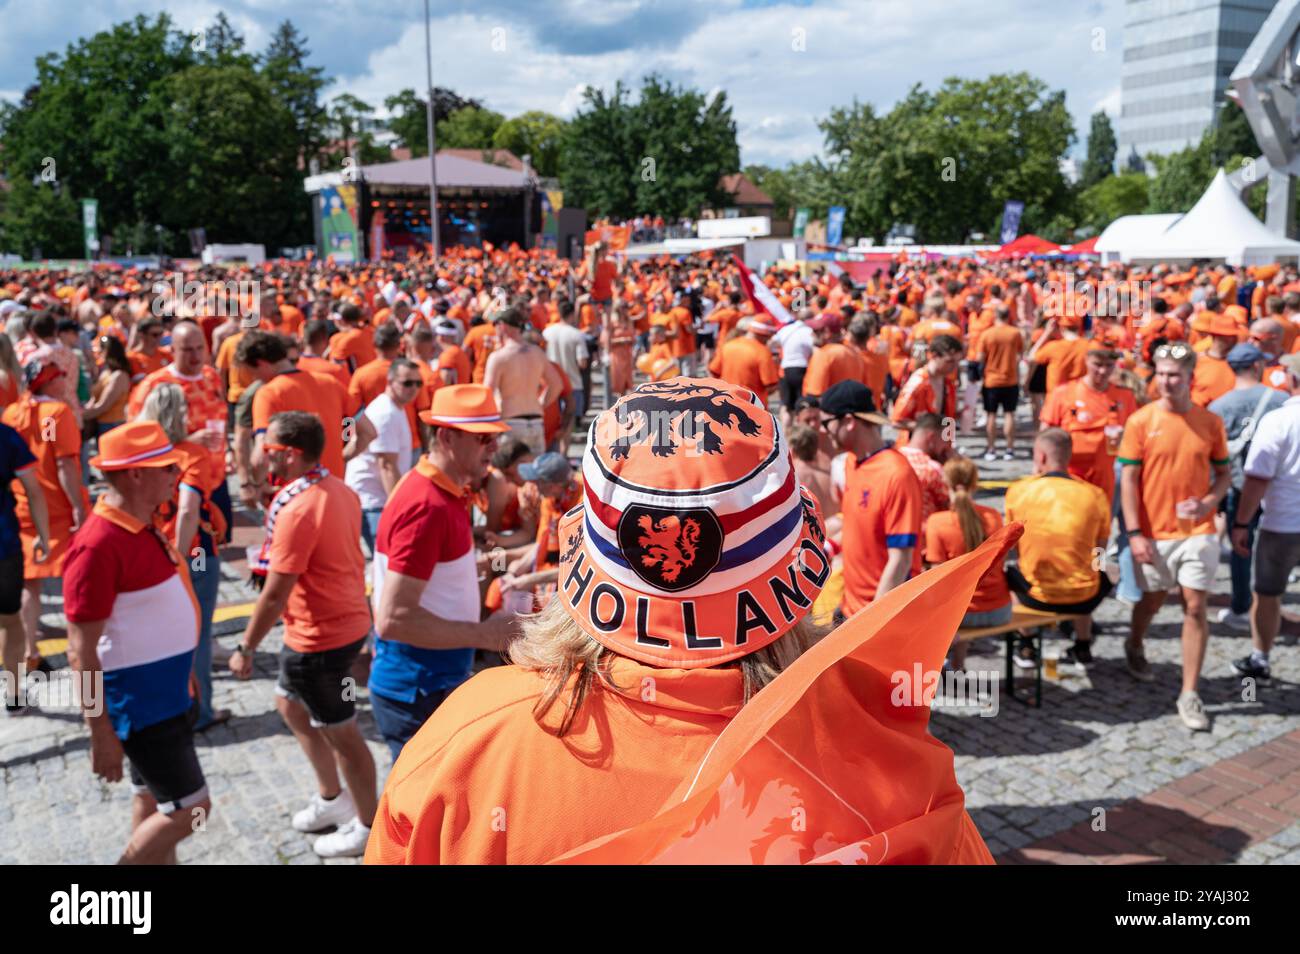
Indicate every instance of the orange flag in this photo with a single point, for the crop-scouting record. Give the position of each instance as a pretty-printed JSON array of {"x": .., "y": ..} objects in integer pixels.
[{"x": 832, "y": 762}]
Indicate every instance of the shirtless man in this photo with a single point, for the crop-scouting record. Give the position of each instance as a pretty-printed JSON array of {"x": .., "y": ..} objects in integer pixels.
[{"x": 521, "y": 379}]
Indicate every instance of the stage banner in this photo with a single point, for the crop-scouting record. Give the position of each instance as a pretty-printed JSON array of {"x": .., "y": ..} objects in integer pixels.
[
  {"x": 338, "y": 223},
  {"x": 835, "y": 225},
  {"x": 90, "y": 225},
  {"x": 801, "y": 221},
  {"x": 1011, "y": 213},
  {"x": 615, "y": 236},
  {"x": 377, "y": 237}
]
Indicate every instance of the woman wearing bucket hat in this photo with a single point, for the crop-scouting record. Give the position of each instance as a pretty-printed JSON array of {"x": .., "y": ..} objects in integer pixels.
[{"x": 686, "y": 580}]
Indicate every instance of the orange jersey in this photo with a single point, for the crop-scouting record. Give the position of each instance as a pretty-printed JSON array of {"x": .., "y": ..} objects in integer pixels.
[
  {"x": 1001, "y": 346},
  {"x": 352, "y": 348},
  {"x": 1086, "y": 414},
  {"x": 944, "y": 540},
  {"x": 747, "y": 363},
  {"x": 829, "y": 365},
  {"x": 882, "y": 510},
  {"x": 1064, "y": 359},
  {"x": 303, "y": 391}
]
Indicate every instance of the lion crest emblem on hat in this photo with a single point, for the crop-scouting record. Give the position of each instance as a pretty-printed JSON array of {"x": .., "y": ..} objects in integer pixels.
[
  {"x": 670, "y": 549},
  {"x": 667, "y": 414}
]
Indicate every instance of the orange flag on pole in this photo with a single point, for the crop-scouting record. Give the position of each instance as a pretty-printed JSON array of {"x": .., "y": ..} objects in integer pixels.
[{"x": 833, "y": 762}]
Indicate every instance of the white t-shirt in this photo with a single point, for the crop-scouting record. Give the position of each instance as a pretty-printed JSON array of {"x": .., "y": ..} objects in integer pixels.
[
  {"x": 566, "y": 346},
  {"x": 1275, "y": 456},
  {"x": 796, "y": 343},
  {"x": 392, "y": 436}
]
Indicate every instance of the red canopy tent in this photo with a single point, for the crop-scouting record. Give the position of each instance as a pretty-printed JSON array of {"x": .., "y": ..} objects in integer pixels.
[
  {"x": 1026, "y": 245},
  {"x": 1086, "y": 247}
]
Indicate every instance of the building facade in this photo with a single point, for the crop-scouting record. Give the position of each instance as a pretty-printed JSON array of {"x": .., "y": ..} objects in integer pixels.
[{"x": 1178, "y": 55}]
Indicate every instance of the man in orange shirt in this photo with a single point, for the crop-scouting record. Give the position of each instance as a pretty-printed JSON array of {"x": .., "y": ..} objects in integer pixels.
[
  {"x": 874, "y": 352},
  {"x": 832, "y": 361},
  {"x": 881, "y": 505},
  {"x": 313, "y": 575},
  {"x": 453, "y": 362},
  {"x": 746, "y": 360},
  {"x": 1093, "y": 411},
  {"x": 316, "y": 340},
  {"x": 726, "y": 316},
  {"x": 1064, "y": 357},
  {"x": 932, "y": 389},
  {"x": 999, "y": 353},
  {"x": 150, "y": 356},
  {"x": 353, "y": 346},
  {"x": 683, "y": 340},
  {"x": 1213, "y": 377},
  {"x": 286, "y": 388},
  {"x": 371, "y": 379},
  {"x": 1176, "y": 471},
  {"x": 480, "y": 341}
]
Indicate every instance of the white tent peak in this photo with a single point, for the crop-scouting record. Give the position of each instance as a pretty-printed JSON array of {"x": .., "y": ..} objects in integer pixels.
[{"x": 1218, "y": 226}]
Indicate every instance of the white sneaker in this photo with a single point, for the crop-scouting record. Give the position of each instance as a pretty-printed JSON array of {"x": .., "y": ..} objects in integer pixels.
[
  {"x": 1008, "y": 455},
  {"x": 990, "y": 455},
  {"x": 320, "y": 814},
  {"x": 1238, "y": 621},
  {"x": 348, "y": 842},
  {"x": 1192, "y": 711}
]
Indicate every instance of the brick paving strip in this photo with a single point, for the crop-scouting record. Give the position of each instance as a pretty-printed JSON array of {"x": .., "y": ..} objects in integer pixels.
[{"x": 1243, "y": 808}]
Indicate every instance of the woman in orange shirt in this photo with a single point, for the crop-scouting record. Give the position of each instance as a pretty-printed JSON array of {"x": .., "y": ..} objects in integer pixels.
[
  {"x": 950, "y": 533},
  {"x": 108, "y": 396}
]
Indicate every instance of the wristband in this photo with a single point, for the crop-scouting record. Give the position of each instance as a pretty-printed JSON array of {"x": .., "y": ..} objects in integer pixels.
[
  {"x": 1240, "y": 526},
  {"x": 1132, "y": 533}
]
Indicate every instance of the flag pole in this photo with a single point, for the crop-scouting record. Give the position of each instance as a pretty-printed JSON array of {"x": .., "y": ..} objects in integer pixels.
[{"x": 433, "y": 150}]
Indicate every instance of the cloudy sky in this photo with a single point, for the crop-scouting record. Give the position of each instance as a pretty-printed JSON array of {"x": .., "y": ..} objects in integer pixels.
[{"x": 783, "y": 63}]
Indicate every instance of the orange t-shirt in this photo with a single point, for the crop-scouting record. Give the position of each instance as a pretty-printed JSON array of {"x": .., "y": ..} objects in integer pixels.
[
  {"x": 318, "y": 537},
  {"x": 1211, "y": 380},
  {"x": 602, "y": 282},
  {"x": 292, "y": 320},
  {"x": 203, "y": 399},
  {"x": 303, "y": 391},
  {"x": 238, "y": 377},
  {"x": 875, "y": 368},
  {"x": 882, "y": 509},
  {"x": 1065, "y": 360},
  {"x": 144, "y": 364},
  {"x": 35, "y": 420},
  {"x": 1085, "y": 414},
  {"x": 684, "y": 343},
  {"x": 829, "y": 365},
  {"x": 353, "y": 348},
  {"x": 748, "y": 363},
  {"x": 943, "y": 541},
  {"x": 591, "y": 787},
  {"x": 200, "y": 475},
  {"x": 324, "y": 366},
  {"x": 726, "y": 318},
  {"x": 480, "y": 342},
  {"x": 1001, "y": 346},
  {"x": 454, "y": 358},
  {"x": 1176, "y": 454},
  {"x": 369, "y": 381}
]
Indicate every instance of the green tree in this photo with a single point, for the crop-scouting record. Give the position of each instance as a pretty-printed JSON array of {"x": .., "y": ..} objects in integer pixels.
[
  {"x": 298, "y": 86},
  {"x": 1112, "y": 197},
  {"x": 469, "y": 128},
  {"x": 225, "y": 128},
  {"x": 223, "y": 44},
  {"x": 947, "y": 161},
  {"x": 535, "y": 134},
  {"x": 1100, "y": 161},
  {"x": 407, "y": 120},
  {"x": 664, "y": 154},
  {"x": 351, "y": 116}
]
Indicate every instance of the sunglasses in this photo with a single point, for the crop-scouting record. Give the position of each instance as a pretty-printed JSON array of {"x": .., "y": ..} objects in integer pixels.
[
  {"x": 1174, "y": 352},
  {"x": 409, "y": 384}
]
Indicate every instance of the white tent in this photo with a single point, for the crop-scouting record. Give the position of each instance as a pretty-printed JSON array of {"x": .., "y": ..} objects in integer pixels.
[
  {"x": 1219, "y": 226},
  {"x": 1132, "y": 231}
]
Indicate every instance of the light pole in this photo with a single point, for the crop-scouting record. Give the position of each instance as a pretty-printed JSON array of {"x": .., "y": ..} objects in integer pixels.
[{"x": 433, "y": 162}]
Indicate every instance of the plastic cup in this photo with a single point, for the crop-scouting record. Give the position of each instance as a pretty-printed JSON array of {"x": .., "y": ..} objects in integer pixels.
[{"x": 1113, "y": 434}]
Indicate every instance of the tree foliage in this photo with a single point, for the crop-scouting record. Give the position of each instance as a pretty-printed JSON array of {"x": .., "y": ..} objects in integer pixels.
[
  {"x": 665, "y": 153},
  {"x": 1116, "y": 195},
  {"x": 1100, "y": 161},
  {"x": 536, "y": 134},
  {"x": 407, "y": 119},
  {"x": 469, "y": 128}
]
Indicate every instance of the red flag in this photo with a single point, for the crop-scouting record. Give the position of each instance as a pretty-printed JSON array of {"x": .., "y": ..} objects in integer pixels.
[
  {"x": 831, "y": 763},
  {"x": 760, "y": 296}
]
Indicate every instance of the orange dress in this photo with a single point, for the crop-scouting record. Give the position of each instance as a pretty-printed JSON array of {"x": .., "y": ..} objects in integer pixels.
[{"x": 51, "y": 431}]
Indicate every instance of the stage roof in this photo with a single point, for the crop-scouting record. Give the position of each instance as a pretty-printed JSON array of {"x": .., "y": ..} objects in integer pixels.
[{"x": 454, "y": 172}]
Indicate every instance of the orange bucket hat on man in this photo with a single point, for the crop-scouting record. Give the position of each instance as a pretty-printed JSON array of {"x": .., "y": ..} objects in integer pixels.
[
  {"x": 466, "y": 407},
  {"x": 695, "y": 544},
  {"x": 137, "y": 444}
]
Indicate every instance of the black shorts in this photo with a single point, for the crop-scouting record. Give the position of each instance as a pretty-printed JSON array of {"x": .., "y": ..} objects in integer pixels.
[
  {"x": 706, "y": 339},
  {"x": 791, "y": 387},
  {"x": 165, "y": 764},
  {"x": 1004, "y": 398},
  {"x": 1038, "y": 380},
  {"x": 11, "y": 584},
  {"x": 1020, "y": 586},
  {"x": 322, "y": 682}
]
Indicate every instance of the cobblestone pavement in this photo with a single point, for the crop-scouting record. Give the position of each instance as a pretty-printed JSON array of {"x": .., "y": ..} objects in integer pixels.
[{"x": 1034, "y": 778}]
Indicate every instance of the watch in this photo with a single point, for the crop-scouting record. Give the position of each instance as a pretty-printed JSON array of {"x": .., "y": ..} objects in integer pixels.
[
  {"x": 244, "y": 650},
  {"x": 1132, "y": 533}
]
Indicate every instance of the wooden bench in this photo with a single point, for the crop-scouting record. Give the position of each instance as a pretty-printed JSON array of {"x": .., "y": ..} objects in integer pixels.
[{"x": 1031, "y": 621}]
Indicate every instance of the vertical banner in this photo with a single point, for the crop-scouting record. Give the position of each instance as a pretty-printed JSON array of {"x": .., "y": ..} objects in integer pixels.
[
  {"x": 377, "y": 237},
  {"x": 835, "y": 225},
  {"x": 90, "y": 225},
  {"x": 801, "y": 221},
  {"x": 1011, "y": 213},
  {"x": 338, "y": 223}
]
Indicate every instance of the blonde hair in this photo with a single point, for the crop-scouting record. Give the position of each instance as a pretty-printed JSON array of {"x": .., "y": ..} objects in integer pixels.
[
  {"x": 166, "y": 404},
  {"x": 554, "y": 645},
  {"x": 963, "y": 477},
  {"x": 9, "y": 364}
]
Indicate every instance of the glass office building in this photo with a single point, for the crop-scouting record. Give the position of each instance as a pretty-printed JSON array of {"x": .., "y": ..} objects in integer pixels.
[{"x": 1178, "y": 55}]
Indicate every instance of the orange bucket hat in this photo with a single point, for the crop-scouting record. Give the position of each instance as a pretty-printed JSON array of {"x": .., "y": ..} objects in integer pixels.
[
  {"x": 695, "y": 543},
  {"x": 138, "y": 444},
  {"x": 466, "y": 407}
]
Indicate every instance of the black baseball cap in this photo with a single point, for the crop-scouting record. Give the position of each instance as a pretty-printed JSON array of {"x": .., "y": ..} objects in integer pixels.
[{"x": 851, "y": 397}]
